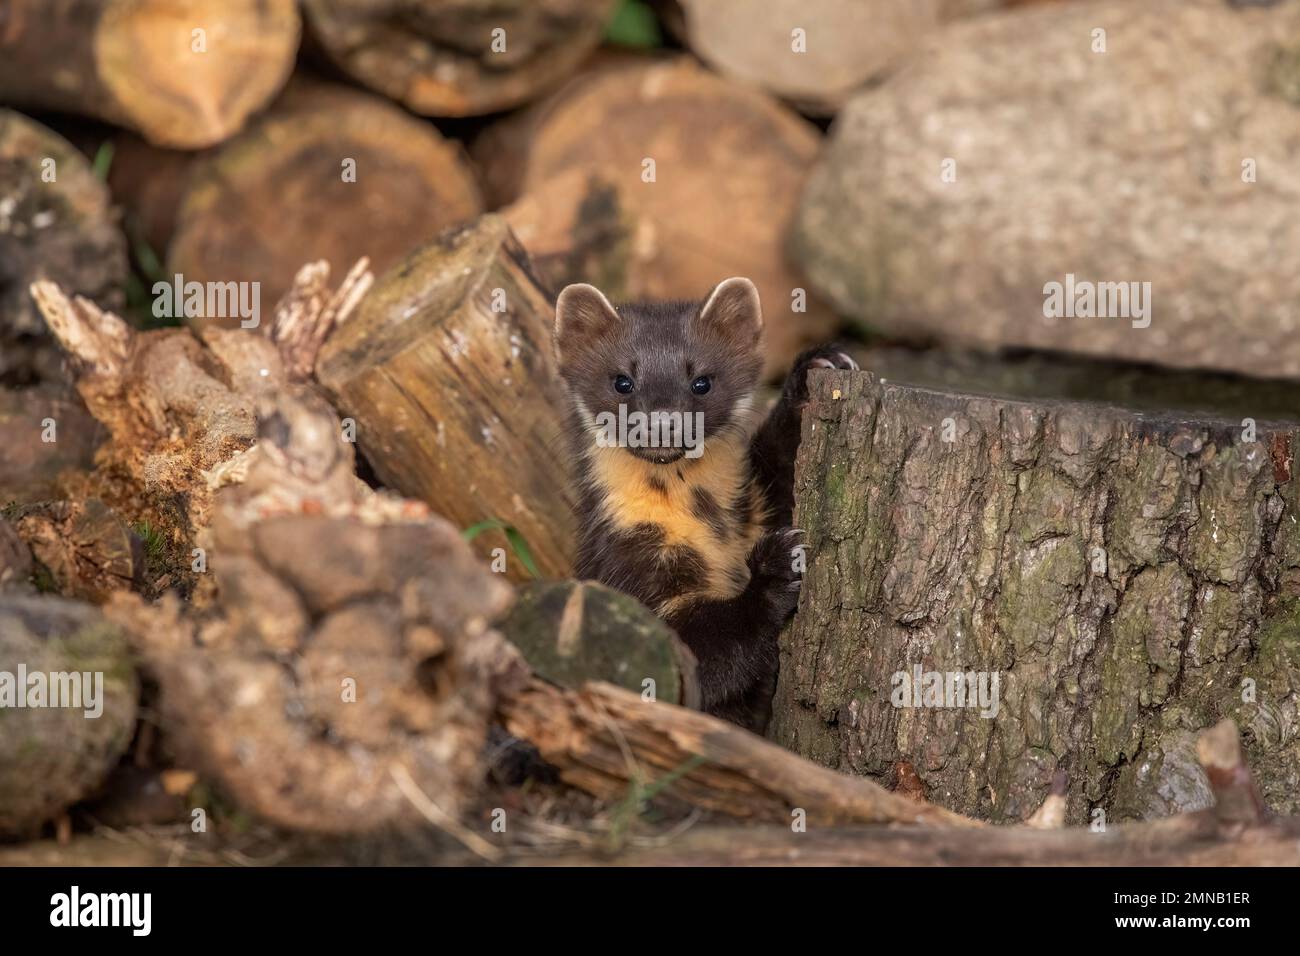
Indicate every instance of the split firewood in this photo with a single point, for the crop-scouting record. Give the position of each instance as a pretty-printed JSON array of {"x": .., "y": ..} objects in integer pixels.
[
  {"x": 57, "y": 224},
  {"x": 184, "y": 73},
  {"x": 344, "y": 679},
  {"x": 52, "y": 755},
  {"x": 448, "y": 374},
  {"x": 327, "y": 173},
  {"x": 704, "y": 176},
  {"x": 458, "y": 57},
  {"x": 998, "y": 589},
  {"x": 572, "y": 632},
  {"x": 604, "y": 739}
]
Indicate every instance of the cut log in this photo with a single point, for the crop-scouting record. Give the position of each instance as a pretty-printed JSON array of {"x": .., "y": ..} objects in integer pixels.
[
  {"x": 1016, "y": 186},
  {"x": 840, "y": 44},
  {"x": 52, "y": 755},
  {"x": 56, "y": 223},
  {"x": 604, "y": 739},
  {"x": 572, "y": 632},
  {"x": 1111, "y": 582},
  {"x": 184, "y": 73},
  {"x": 729, "y": 164},
  {"x": 343, "y": 680},
  {"x": 448, "y": 374},
  {"x": 329, "y": 173},
  {"x": 458, "y": 57}
]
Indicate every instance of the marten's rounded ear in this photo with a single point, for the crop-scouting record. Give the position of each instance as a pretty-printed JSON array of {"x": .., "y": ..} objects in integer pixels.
[
  {"x": 733, "y": 310},
  {"x": 582, "y": 313}
]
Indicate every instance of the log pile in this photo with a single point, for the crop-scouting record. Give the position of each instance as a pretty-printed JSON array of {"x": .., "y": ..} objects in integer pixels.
[{"x": 299, "y": 544}]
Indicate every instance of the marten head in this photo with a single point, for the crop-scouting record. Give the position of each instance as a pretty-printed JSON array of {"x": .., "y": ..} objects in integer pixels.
[{"x": 682, "y": 372}]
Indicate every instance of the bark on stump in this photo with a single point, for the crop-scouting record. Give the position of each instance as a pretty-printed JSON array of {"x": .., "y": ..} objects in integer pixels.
[
  {"x": 56, "y": 222},
  {"x": 140, "y": 63},
  {"x": 447, "y": 371},
  {"x": 446, "y": 59},
  {"x": 1129, "y": 577},
  {"x": 328, "y": 173}
]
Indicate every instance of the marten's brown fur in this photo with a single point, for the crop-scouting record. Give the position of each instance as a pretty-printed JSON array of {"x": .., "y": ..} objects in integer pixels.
[{"x": 700, "y": 534}]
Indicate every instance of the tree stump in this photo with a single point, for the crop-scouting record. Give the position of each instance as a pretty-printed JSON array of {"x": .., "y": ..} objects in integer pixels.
[
  {"x": 448, "y": 373},
  {"x": 328, "y": 173},
  {"x": 1127, "y": 578},
  {"x": 184, "y": 73},
  {"x": 56, "y": 222},
  {"x": 446, "y": 59},
  {"x": 701, "y": 175}
]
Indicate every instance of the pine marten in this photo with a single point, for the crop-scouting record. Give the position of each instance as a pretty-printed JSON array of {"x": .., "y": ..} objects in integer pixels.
[{"x": 681, "y": 501}]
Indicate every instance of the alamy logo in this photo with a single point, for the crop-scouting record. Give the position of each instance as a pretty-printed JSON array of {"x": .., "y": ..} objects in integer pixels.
[
  {"x": 1101, "y": 300},
  {"x": 651, "y": 430},
  {"x": 179, "y": 299},
  {"x": 922, "y": 688},
  {"x": 74, "y": 908},
  {"x": 75, "y": 689}
]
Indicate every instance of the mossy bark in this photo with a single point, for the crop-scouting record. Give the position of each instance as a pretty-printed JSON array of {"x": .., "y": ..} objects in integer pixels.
[{"x": 1129, "y": 578}]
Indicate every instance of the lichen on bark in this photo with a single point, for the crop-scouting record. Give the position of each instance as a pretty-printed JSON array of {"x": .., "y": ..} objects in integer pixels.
[{"x": 1128, "y": 578}]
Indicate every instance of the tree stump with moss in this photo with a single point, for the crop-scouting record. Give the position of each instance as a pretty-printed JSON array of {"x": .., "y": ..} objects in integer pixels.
[{"x": 1126, "y": 578}]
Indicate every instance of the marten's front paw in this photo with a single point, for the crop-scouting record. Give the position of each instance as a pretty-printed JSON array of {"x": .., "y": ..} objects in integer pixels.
[
  {"x": 822, "y": 356},
  {"x": 776, "y": 569}
]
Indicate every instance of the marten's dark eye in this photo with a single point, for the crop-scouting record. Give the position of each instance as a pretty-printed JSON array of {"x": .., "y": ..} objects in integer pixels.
[
  {"x": 623, "y": 385},
  {"x": 701, "y": 385}
]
